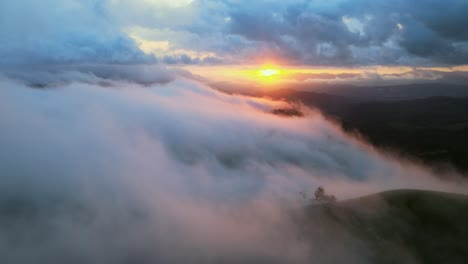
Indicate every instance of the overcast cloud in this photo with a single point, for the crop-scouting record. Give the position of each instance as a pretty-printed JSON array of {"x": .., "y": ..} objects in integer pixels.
[{"x": 337, "y": 32}]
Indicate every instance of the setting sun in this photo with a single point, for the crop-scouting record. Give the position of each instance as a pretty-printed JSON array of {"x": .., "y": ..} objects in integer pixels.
[{"x": 268, "y": 72}]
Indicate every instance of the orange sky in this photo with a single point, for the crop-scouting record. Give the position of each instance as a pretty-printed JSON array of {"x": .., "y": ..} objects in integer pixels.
[{"x": 253, "y": 73}]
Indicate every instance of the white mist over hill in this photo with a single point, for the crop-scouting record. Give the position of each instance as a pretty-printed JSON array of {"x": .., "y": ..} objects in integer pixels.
[{"x": 126, "y": 164}]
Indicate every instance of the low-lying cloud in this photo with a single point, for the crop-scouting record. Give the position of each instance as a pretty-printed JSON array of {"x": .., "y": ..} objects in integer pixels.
[{"x": 167, "y": 170}]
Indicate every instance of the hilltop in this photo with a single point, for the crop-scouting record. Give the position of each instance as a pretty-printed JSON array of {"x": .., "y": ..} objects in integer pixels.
[{"x": 401, "y": 226}]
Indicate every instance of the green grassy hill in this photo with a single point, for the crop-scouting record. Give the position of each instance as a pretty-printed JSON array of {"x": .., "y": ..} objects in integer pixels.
[{"x": 404, "y": 226}]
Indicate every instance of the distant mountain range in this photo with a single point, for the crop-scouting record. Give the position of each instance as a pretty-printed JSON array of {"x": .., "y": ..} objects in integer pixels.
[
  {"x": 356, "y": 93},
  {"x": 396, "y": 92},
  {"x": 434, "y": 129},
  {"x": 428, "y": 122}
]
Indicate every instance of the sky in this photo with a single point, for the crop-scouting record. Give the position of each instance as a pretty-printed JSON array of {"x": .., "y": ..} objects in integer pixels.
[
  {"x": 413, "y": 40},
  {"x": 115, "y": 148}
]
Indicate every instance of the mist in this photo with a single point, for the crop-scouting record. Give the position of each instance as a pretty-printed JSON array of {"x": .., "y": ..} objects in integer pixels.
[{"x": 142, "y": 164}]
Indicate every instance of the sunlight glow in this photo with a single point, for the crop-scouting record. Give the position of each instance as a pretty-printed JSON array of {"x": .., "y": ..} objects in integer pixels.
[
  {"x": 268, "y": 72},
  {"x": 272, "y": 74}
]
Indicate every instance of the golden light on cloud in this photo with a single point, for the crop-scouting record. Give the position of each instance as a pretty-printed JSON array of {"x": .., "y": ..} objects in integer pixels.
[{"x": 271, "y": 74}]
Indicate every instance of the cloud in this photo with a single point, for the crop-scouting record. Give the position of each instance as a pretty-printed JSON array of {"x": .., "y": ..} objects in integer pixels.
[
  {"x": 171, "y": 171},
  {"x": 369, "y": 78},
  {"x": 341, "y": 32},
  {"x": 48, "y": 76},
  {"x": 300, "y": 30},
  {"x": 106, "y": 157},
  {"x": 61, "y": 32}
]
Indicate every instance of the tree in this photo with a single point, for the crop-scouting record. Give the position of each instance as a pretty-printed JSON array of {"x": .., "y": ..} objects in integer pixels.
[{"x": 321, "y": 196}]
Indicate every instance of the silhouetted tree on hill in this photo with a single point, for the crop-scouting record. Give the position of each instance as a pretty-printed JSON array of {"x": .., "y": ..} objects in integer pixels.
[{"x": 321, "y": 196}]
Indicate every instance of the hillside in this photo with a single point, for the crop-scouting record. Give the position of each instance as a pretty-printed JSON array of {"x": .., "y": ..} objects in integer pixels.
[
  {"x": 395, "y": 92},
  {"x": 431, "y": 129},
  {"x": 404, "y": 226}
]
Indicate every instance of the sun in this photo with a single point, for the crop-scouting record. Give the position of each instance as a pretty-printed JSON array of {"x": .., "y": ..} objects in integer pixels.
[{"x": 268, "y": 72}]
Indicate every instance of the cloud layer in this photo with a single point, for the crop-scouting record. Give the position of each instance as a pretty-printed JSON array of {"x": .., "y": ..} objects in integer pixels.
[{"x": 103, "y": 169}]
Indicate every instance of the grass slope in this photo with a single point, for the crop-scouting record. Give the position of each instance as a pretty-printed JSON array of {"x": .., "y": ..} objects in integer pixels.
[{"x": 404, "y": 226}]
